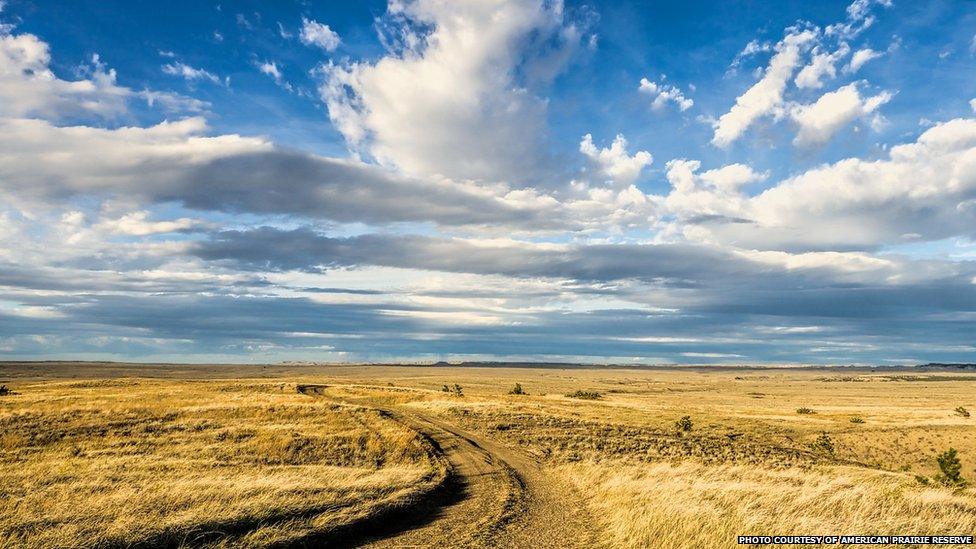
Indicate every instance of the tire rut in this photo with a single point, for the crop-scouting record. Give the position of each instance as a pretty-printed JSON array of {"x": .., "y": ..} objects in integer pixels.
[{"x": 494, "y": 496}]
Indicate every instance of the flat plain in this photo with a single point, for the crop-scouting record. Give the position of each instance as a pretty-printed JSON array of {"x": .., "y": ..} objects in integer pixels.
[{"x": 126, "y": 455}]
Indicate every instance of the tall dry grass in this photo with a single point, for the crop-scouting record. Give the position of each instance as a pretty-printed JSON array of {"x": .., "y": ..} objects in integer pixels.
[
  {"x": 692, "y": 505},
  {"x": 123, "y": 463}
]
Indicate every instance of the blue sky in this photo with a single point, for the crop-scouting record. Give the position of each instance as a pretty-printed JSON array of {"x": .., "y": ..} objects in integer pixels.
[{"x": 691, "y": 182}]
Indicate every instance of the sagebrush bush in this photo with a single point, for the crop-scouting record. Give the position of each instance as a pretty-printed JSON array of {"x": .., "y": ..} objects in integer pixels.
[
  {"x": 857, "y": 419},
  {"x": 962, "y": 411},
  {"x": 823, "y": 444},
  {"x": 4, "y": 390},
  {"x": 517, "y": 390},
  {"x": 805, "y": 410},
  {"x": 684, "y": 424},
  {"x": 455, "y": 390}
]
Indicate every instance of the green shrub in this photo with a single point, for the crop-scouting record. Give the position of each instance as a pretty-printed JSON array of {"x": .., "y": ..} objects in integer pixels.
[
  {"x": 823, "y": 444},
  {"x": 684, "y": 424},
  {"x": 805, "y": 410},
  {"x": 857, "y": 419},
  {"x": 922, "y": 479},
  {"x": 517, "y": 390},
  {"x": 585, "y": 395},
  {"x": 951, "y": 468},
  {"x": 962, "y": 411}
]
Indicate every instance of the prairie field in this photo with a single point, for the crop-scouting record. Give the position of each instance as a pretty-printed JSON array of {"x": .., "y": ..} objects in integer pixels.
[{"x": 130, "y": 455}]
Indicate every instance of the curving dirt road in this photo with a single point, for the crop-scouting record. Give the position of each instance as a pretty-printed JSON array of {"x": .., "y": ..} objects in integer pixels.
[{"x": 494, "y": 497}]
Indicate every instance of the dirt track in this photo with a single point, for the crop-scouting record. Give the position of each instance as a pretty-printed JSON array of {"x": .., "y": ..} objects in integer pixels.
[{"x": 494, "y": 497}]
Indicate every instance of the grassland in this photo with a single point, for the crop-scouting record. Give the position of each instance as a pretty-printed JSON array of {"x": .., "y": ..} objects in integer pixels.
[
  {"x": 121, "y": 463},
  {"x": 92, "y": 461}
]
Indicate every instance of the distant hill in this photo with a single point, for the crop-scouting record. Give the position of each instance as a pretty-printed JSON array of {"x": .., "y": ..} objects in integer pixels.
[{"x": 950, "y": 365}]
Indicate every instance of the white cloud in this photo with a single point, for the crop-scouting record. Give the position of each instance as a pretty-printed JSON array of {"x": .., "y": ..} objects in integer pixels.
[
  {"x": 732, "y": 177},
  {"x": 664, "y": 93},
  {"x": 139, "y": 224},
  {"x": 752, "y": 48},
  {"x": 861, "y": 57},
  {"x": 819, "y": 121},
  {"x": 189, "y": 73},
  {"x": 271, "y": 69},
  {"x": 614, "y": 162},
  {"x": 284, "y": 33},
  {"x": 449, "y": 98},
  {"x": 972, "y": 104},
  {"x": 710, "y": 194},
  {"x": 822, "y": 65},
  {"x": 765, "y": 96},
  {"x": 319, "y": 35},
  {"x": 176, "y": 162},
  {"x": 29, "y": 88},
  {"x": 859, "y": 19},
  {"x": 925, "y": 188}
]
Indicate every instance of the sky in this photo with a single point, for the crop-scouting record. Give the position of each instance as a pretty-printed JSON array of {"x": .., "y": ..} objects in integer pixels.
[{"x": 540, "y": 180}]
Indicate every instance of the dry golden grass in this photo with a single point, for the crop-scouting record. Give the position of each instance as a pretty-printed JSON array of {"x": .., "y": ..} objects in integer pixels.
[
  {"x": 747, "y": 466},
  {"x": 129, "y": 462},
  {"x": 691, "y": 505},
  {"x": 99, "y": 461}
]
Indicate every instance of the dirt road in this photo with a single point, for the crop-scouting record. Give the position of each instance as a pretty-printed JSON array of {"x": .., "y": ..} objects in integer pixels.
[{"x": 494, "y": 497}]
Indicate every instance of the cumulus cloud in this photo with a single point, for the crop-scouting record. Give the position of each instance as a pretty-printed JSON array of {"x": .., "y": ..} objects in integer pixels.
[
  {"x": 827, "y": 48},
  {"x": 765, "y": 96},
  {"x": 925, "y": 189},
  {"x": 450, "y": 98},
  {"x": 614, "y": 162},
  {"x": 823, "y": 65},
  {"x": 319, "y": 35},
  {"x": 819, "y": 121},
  {"x": 861, "y": 57},
  {"x": 29, "y": 88},
  {"x": 663, "y": 94}
]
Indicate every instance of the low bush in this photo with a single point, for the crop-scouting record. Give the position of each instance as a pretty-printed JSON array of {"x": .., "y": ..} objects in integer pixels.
[
  {"x": 805, "y": 410},
  {"x": 4, "y": 390},
  {"x": 684, "y": 424},
  {"x": 951, "y": 468},
  {"x": 962, "y": 411},
  {"x": 857, "y": 419},
  {"x": 517, "y": 390},
  {"x": 455, "y": 390},
  {"x": 823, "y": 444}
]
